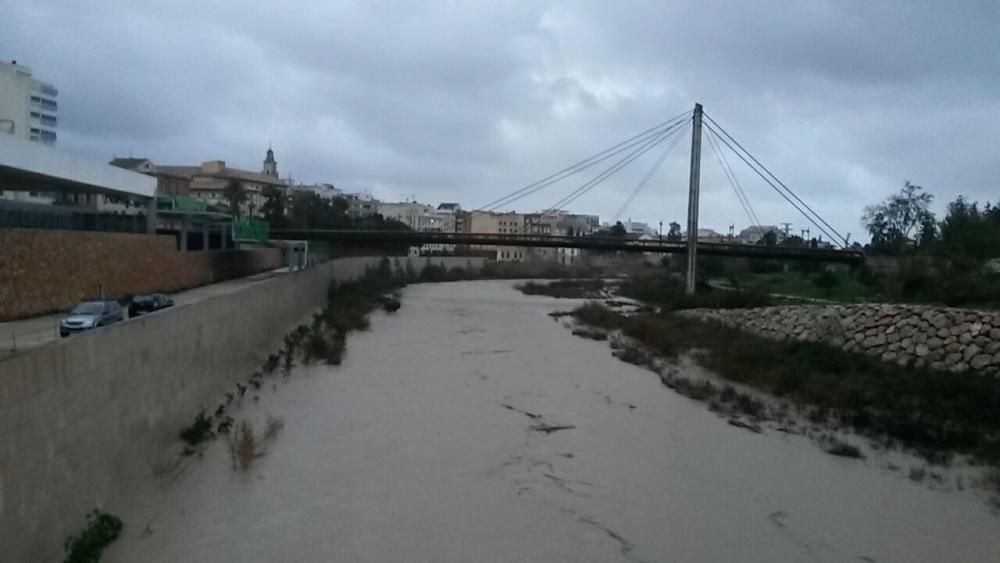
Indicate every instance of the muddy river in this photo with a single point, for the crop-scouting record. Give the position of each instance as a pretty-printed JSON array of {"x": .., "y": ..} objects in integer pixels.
[{"x": 471, "y": 426}]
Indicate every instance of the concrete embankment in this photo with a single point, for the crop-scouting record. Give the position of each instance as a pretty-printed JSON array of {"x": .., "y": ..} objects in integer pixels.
[
  {"x": 82, "y": 418},
  {"x": 957, "y": 340}
]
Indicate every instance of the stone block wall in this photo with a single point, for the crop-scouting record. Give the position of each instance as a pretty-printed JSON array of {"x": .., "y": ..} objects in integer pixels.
[
  {"x": 81, "y": 418},
  {"x": 44, "y": 271},
  {"x": 956, "y": 340}
]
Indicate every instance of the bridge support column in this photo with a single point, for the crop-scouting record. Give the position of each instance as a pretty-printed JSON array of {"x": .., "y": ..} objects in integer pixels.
[{"x": 694, "y": 187}]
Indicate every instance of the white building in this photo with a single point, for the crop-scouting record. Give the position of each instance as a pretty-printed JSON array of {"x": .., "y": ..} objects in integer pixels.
[
  {"x": 28, "y": 110},
  {"x": 422, "y": 217},
  {"x": 28, "y": 107},
  {"x": 560, "y": 223},
  {"x": 753, "y": 234},
  {"x": 325, "y": 191},
  {"x": 418, "y": 216}
]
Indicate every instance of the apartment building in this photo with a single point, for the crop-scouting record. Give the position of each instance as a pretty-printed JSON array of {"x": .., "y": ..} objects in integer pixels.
[
  {"x": 29, "y": 110},
  {"x": 498, "y": 223}
]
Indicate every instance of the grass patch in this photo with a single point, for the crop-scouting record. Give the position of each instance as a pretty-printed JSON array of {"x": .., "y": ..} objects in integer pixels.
[
  {"x": 87, "y": 546},
  {"x": 667, "y": 291},
  {"x": 847, "y": 288},
  {"x": 928, "y": 411}
]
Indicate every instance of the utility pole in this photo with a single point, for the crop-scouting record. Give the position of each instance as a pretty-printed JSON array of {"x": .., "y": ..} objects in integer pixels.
[
  {"x": 692, "y": 242},
  {"x": 787, "y": 226}
]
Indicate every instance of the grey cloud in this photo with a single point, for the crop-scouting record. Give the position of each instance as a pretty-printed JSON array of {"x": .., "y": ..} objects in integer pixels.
[{"x": 464, "y": 101}]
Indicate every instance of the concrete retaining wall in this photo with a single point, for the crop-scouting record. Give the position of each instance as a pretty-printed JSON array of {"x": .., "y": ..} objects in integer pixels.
[
  {"x": 43, "y": 271},
  {"x": 82, "y": 417},
  {"x": 942, "y": 338}
]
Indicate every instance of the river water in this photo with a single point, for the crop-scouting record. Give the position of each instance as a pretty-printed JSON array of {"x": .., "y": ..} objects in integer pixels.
[{"x": 420, "y": 447}]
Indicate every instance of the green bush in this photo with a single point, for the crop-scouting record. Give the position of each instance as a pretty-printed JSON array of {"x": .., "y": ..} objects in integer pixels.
[
  {"x": 89, "y": 544},
  {"x": 199, "y": 431}
]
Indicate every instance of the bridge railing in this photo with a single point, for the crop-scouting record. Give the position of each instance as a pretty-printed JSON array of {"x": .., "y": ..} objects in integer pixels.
[{"x": 363, "y": 238}]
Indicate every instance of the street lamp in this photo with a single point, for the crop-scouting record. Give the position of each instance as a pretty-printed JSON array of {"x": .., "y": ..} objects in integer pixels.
[{"x": 661, "y": 231}]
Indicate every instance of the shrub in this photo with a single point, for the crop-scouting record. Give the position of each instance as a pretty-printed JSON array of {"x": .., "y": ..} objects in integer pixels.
[
  {"x": 199, "y": 431},
  {"x": 843, "y": 449},
  {"x": 598, "y": 315},
  {"x": 243, "y": 446},
  {"x": 87, "y": 546}
]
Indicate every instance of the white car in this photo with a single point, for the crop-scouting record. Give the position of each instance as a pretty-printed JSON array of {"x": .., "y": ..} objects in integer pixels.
[{"x": 91, "y": 314}]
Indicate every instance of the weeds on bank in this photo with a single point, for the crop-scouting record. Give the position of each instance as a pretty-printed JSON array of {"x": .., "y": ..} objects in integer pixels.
[
  {"x": 834, "y": 446},
  {"x": 88, "y": 545},
  {"x": 245, "y": 445},
  {"x": 668, "y": 291},
  {"x": 199, "y": 431},
  {"x": 567, "y": 289},
  {"x": 927, "y": 411}
]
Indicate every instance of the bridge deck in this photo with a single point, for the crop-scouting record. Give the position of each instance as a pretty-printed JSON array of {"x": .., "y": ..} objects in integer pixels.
[{"x": 415, "y": 238}]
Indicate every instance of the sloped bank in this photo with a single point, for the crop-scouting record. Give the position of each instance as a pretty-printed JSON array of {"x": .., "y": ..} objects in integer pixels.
[{"x": 956, "y": 340}]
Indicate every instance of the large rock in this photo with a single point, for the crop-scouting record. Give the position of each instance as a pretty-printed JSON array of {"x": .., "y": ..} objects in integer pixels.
[
  {"x": 921, "y": 350},
  {"x": 980, "y": 361},
  {"x": 970, "y": 352}
]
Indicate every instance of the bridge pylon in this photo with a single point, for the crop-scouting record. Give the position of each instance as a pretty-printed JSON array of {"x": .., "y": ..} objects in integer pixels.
[{"x": 693, "y": 189}]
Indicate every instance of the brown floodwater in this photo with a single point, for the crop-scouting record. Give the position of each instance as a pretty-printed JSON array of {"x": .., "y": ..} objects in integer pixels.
[{"x": 429, "y": 444}]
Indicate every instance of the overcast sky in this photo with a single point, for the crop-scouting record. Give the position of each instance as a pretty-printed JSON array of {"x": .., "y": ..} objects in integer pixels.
[{"x": 466, "y": 101}]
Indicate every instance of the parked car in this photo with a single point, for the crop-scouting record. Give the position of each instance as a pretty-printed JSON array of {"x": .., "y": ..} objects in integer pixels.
[
  {"x": 91, "y": 314},
  {"x": 148, "y": 303}
]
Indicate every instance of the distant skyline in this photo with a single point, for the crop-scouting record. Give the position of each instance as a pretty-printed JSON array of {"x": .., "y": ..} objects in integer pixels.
[{"x": 467, "y": 101}]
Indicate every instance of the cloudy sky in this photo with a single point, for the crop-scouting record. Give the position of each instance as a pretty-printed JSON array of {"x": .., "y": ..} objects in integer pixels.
[{"x": 466, "y": 101}]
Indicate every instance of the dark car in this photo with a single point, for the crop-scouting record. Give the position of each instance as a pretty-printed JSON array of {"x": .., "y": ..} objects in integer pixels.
[
  {"x": 148, "y": 303},
  {"x": 91, "y": 314}
]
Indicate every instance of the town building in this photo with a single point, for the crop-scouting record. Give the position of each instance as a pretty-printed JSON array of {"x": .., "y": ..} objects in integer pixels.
[
  {"x": 209, "y": 181},
  {"x": 325, "y": 191},
  {"x": 167, "y": 183},
  {"x": 418, "y": 216},
  {"x": 422, "y": 217},
  {"x": 754, "y": 234},
  {"x": 559, "y": 223},
  {"x": 508, "y": 223}
]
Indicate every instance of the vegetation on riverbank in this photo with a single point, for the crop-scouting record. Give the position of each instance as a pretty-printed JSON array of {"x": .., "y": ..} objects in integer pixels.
[
  {"x": 932, "y": 413},
  {"x": 567, "y": 289},
  {"x": 667, "y": 291},
  {"x": 88, "y": 545}
]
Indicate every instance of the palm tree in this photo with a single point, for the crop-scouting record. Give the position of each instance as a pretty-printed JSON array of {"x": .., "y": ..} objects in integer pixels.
[{"x": 235, "y": 195}]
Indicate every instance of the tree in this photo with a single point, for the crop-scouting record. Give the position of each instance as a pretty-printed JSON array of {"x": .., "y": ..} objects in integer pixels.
[
  {"x": 770, "y": 238},
  {"x": 618, "y": 230},
  {"x": 892, "y": 222},
  {"x": 968, "y": 233},
  {"x": 235, "y": 195},
  {"x": 826, "y": 280},
  {"x": 273, "y": 209},
  {"x": 674, "y": 234},
  {"x": 794, "y": 240}
]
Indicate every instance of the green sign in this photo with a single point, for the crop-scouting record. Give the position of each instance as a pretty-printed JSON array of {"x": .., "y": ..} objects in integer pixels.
[
  {"x": 252, "y": 229},
  {"x": 181, "y": 203}
]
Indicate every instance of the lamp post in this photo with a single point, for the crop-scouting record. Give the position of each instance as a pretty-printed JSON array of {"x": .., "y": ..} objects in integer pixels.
[{"x": 661, "y": 231}]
